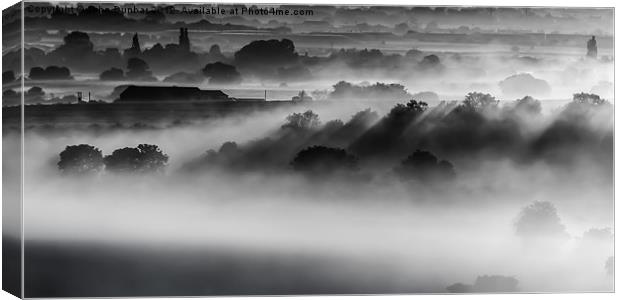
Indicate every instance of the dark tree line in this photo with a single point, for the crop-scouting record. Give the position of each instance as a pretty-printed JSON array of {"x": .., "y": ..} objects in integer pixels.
[
  {"x": 423, "y": 166},
  {"x": 49, "y": 73},
  {"x": 321, "y": 160},
  {"x": 137, "y": 69},
  {"x": 420, "y": 166},
  {"x": 315, "y": 149},
  {"x": 461, "y": 132},
  {"x": 86, "y": 159},
  {"x": 417, "y": 142}
]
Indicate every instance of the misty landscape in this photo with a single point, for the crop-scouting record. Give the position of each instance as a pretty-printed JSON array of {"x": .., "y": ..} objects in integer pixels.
[{"x": 181, "y": 151}]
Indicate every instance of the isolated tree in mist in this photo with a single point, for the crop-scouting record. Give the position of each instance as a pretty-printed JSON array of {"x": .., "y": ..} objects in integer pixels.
[
  {"x": 430, "y": 61},
  {"x": 320, "y": 160},
  {"x": 221, "y": 73},
  {"x": 35, "y": 91},
  {"x": 479, "y": 101},
  {"x": 540, "y": 220},
  {"x": 144, "y": 158},
  {"x": 268, "y": 54},
  {"x": 377, "y": 91},
  {"x": 302, "y": 121},
  {"x": 138, "y": 69},
  {"x": 343, "y": 88},
  {"x": 585, "y": 98},
  {"x": 80, "y": 159},
  {"x": 517, "y": 84},
  {"x": 424, "y": 166},
  {"x": 136, "y": 66},
  {"x": 414, "y": 54},
  {"x": 112, "y": 74},
  {"x": 582, "y": 107}
]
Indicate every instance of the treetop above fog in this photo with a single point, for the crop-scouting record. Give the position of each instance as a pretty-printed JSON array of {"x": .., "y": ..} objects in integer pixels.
[
  {"x": 479, "y": 101},
  {"x": 321, "y": 160},
  {"x": 80, "y": 159},
  {"x": 267, "y": 53},
  {"x": 85, "y": 159},
  {"x": 143, "y": 159},
  {"x": 302, "y": 121},
  {"x": 540, "y": 219}
]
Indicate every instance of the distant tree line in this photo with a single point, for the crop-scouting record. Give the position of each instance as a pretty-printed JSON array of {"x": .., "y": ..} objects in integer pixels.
[
  {"x": 314, "y": 161},
  {"x": 415, "y": 142},
  {"x": 267, "y": 59},
  {"x": 86, "y": 159}
]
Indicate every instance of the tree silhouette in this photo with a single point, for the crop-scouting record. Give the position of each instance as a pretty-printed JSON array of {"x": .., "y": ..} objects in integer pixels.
[
  {"x": 112, "y": 74},
  {"x": 479, "y": 101},
  {"x": 221, "y": 73},
  {"x": 519, "y": 84},
  {"x": 430, "y": 61},
  {"x": 51, "y": 72},
  {"x": 270, "y": 53},
  {"x": 76, "y": 45},
  {"x": 80, "y": 159},
  {"x": 322, "y": 160},
  {"x": 540, "y": 220},
  {"x": 302, "y": 121},
  {"x": 407, "y": 111},
  {"x": 585, "y": 98},
  {"x": 377, "y": 91},
  {"x": 138, "y": 69},
  {"x": 386, "y": 135},
  {"x": 123, "y": 160},
  {"x": 424, "y": 166},
  {"x": 144, "y": 158},
  {"x": 413, "y": 53},
  {"x": 35, "y": 91},
  {"x": 152, "y": 158}
]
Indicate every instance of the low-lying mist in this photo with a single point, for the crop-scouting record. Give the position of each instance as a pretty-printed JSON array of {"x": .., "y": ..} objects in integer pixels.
[{"x": 393, "y": 222}]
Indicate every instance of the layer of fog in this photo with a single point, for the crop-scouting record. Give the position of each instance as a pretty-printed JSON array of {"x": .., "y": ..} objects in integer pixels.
[{"x": 446, "y": 235}]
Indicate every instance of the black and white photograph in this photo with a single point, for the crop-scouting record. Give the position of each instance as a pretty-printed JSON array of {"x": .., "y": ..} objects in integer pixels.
[{"x": 157, "y": 149}]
